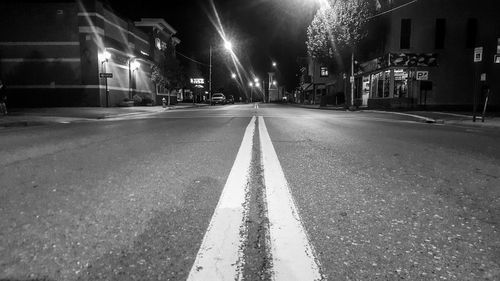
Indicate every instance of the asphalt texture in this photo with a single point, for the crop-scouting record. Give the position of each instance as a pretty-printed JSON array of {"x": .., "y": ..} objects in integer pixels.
[{"x": 382, "y": 197}]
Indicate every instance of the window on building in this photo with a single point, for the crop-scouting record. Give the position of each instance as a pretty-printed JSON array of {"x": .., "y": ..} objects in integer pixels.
[
  {"x": 405, "y": 33},
  {"x": 323, "y": 71},
  {"x": 440, "y": 33},
  {"x": 400, "y": 83},
  {"x": 471, "y": 33}
]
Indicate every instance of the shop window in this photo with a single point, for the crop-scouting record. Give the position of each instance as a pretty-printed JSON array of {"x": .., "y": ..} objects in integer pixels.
[
  {"x": 323, "y": 71},
  {"x": 387, "y": 82},
  {"x": 400, "y": 83},
  {"x": 373, "y": 86},
  {"x": 405, "y": 33},
  {"x": 440, "y": 33}
]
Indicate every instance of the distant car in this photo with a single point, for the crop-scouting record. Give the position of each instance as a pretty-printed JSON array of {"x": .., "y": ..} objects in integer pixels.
[
  {"x": 230, "y": 99},
  {"x": 218, "y": 98}
]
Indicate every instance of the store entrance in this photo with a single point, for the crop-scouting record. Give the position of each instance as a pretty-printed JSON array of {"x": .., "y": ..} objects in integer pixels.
[{"x": 425, "y": 93}]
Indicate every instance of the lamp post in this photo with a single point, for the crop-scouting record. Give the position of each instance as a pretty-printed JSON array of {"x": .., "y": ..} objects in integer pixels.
[
  {"x": 209, "y": 79},
  {"x": 229, "y": 46},
  {"x": 105, "y": 56},
  {"x": 251, "y": 91}
]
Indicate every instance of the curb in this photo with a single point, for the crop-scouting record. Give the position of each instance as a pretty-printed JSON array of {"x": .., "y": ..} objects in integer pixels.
[{"x": 419, "y": 117}]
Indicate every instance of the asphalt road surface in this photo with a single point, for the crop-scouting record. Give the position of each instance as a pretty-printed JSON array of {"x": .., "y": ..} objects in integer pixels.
[{"x": 250, "y": 192}]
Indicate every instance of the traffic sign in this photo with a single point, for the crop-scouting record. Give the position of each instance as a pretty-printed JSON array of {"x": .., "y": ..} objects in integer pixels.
[
  {"x": 106, "y": 75},
  {"x": 423, "y": 75},
  {"x": 478, "y": 54}
]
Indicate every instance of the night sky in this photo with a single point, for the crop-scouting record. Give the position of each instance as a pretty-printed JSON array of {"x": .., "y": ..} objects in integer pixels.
[{"x": 261, "y": 30}]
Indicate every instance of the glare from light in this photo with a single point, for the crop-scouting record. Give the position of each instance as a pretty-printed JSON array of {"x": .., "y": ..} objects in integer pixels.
[
  {"x": 250, "y": 84},
  {"x": 135, "y": 65},
  {"x": 256, "y": 80},
  {"x": 105, "y": 56},
  {"x": 257, "y": 84},
  {"x": 274, "y": 83},
  {"x": 228, "y": 45},
  {"x": 233, "y": 75},
  {"x": 274, "y": 64}
]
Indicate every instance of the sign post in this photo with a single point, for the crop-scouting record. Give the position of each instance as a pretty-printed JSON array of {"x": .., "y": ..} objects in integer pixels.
[
  {"x": 106, "y": 76},
  {"x": 478, "y": 57}
]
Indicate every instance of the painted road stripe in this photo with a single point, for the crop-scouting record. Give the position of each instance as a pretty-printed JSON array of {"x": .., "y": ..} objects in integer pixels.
[
  {"x": 292, "y": 254},
  {"x": 221, "y": 253}
]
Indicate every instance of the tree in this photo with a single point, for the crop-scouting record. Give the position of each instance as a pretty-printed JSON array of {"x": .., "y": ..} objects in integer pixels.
[
  {"x": 337, "y": 30},
  {"x": 169, "y": 72}
]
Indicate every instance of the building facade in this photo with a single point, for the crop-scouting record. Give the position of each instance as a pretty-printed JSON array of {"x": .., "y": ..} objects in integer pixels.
[
  {"x": 420, "y": 54},
  {"x": 59, "y": 54},
  {"x": 319, "y": 84}
]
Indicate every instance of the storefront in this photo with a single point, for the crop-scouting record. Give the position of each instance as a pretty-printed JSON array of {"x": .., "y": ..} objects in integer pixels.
[{"x": 391, "y": 80}]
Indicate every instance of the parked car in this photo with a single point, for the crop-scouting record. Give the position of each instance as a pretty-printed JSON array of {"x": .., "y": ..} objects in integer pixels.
[
  {"x": 218, "y": 98},
  {"x": 230, "y": 99}
]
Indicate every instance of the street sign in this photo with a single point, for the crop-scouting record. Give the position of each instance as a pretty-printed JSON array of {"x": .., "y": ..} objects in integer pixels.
[
  {"x": 478, "y": 54},
  {"x": 106, "y": 75},
  {"x": 422, "y": 75}
]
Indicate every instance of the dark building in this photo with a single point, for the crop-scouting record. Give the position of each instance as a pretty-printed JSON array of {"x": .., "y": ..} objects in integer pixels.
[
  {"x": 421, "y": 54},
  {"x": 52, "y": 54}
]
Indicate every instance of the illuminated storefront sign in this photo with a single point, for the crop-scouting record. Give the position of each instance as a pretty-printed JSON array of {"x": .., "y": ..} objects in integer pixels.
[{"x": 197, "y": 81}]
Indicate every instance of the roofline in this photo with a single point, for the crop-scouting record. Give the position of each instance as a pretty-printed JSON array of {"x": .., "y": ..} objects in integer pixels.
[{"x": 158, "y": 22}]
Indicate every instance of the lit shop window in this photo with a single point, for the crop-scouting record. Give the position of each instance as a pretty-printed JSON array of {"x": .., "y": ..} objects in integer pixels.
[{"x": 323, "y": 71}]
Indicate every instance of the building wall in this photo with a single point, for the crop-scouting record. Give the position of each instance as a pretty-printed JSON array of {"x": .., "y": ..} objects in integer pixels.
[
  {"x": 452, "y": 79},
  {"x": 51, "y": 54}
]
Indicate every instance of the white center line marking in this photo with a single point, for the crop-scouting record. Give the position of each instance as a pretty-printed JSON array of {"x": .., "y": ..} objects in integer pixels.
[
  {"x": 220, "y": 256},
  {"x": 292, "y": 255}
]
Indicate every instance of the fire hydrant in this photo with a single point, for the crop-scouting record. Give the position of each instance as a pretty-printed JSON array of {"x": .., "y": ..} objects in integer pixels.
[{"x": 164, "y": 102}]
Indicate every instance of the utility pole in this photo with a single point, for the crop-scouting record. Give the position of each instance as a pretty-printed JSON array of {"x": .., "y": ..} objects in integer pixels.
[
  {"x": 210, "y": 77},
  {"x": 351, "y": 79}
]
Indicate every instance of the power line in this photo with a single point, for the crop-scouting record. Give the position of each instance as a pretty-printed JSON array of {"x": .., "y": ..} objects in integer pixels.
[
  {"x": 393, "y": 9},
  {"x": 193, "y": 60}
]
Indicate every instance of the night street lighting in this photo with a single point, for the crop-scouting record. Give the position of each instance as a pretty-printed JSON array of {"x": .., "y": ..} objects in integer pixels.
[
  {"x": 233, "y": 75},
  {"x": 105, "y": 58},
  {"x": 228, "y": 45},
  {"x": 274, "y": 64},
  {"x": 135, "y": 65}
]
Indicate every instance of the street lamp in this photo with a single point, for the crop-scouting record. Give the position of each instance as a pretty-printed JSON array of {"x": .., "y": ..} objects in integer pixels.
[
  {"x": 229, "y": 46},
  {"x": 274, "y": 64},
  {"x": 104, "y": 59},
  {"x": 233, "y": 75},
  {"x": 251, "y": 91}
]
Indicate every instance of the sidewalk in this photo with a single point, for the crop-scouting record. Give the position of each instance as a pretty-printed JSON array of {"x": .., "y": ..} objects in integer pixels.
[
  {"x": 21, "y": 117},
  {"x": 455, "y": 118}
]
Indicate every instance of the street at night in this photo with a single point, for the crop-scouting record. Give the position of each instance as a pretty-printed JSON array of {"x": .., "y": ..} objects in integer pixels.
[
  {"x": 264, "y": 140},
  {"x": 381, "y": 197}
]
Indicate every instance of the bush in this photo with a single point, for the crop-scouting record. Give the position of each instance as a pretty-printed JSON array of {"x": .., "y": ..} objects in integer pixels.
[{"x": 137, "y": 99}]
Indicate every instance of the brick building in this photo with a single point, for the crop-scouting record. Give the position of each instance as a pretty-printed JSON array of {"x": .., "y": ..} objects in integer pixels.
[{"x": 51, "y": 54}]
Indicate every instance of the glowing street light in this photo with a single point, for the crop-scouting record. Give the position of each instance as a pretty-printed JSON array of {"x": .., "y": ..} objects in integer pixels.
[
  {"x": 274, "y": 64},
  {"x": 250, "y": 84},
  {"x": 228, "y": 45},
  {"x": 233, "y": 75},
  {"x": 135, "y": 65}
]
